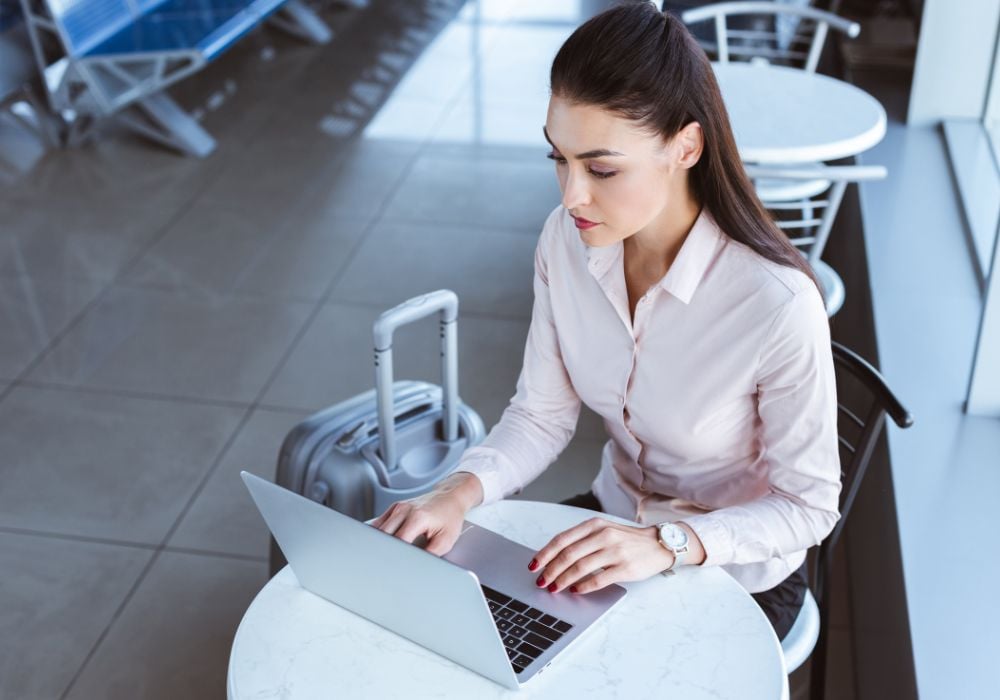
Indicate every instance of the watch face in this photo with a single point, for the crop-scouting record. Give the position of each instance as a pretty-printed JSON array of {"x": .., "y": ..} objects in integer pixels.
[{"x": 673, "y": 535}]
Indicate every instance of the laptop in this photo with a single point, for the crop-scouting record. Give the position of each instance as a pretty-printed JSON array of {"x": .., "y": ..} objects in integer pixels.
[{"x": 478, "y": 605}]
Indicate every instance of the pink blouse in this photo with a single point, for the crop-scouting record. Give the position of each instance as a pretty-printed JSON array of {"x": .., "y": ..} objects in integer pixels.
[{"x": 719, "y": 399}]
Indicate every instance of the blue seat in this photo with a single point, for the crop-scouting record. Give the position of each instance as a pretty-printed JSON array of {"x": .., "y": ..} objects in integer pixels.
[
  {"x": 171, "y": 25},
  {"x": 122, "y": 54}
]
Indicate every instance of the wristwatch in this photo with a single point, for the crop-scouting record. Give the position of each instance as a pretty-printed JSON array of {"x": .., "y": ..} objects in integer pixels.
[{"x": 676, "y": 540}]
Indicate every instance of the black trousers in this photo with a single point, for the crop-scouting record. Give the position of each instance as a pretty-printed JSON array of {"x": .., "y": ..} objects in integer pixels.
[{"x": 781, "y": 604}]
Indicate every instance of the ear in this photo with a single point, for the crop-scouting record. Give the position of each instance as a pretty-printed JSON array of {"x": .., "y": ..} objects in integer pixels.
[{"x": 691, "y": 142}]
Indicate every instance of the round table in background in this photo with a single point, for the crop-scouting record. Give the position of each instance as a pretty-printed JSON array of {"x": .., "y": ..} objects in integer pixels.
[
  {"x": 786, "y": 115},
  {"x": 694, "y": 635}
]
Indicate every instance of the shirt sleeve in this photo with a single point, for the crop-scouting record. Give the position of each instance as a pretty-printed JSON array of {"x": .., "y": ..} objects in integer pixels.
[
  {"x": 797, "y": 406},
  {"x": 542, "y": 415}
]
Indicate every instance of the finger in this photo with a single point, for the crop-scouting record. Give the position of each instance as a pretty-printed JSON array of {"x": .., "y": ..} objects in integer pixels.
[
  {"x": 441, "y": 542},
  {"x": 564, "y": 539},
  {"x": 602, "y": 558},
  {"x": 394, "y": 521},
  {"x": 414, "y": 526},
  {"x": 377, "y": 522},
  {"x": 570, "y": 555},
  {"x": 601, "y": 579}
]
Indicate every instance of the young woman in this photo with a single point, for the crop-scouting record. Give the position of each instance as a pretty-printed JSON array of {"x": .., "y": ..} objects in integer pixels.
[{"x": 669, "y": 303}]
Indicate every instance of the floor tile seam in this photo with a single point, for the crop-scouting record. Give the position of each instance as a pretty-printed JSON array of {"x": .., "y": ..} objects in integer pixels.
[
  {"x": 73, "y": 537},
  {"x": 101, "y": 295},
  {"x": 229, "y": 295},
  {"x": 358, "y": 244},
  {"x": 462, "y": 312},
  {"x": 53, "y": 278},
  {"x": 168, "y": 225},
  {"x": 114, "y": 618},
  {"x": 132, "y": 394},
  {"x": 159, "y": 549},
  {"x": 348, "y": 259},
  {"x": 518, "y": 231},
  {"x": 215, "y": 554},
  {"x": 387, "y": 199},
  {"x": 207, "y": 476}
]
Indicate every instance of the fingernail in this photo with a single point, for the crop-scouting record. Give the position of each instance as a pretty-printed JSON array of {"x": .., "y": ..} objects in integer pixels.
[
  {"x": 533, "y": 565},
  {"x": 540, "y": 582},
  {"x": 572, "y": 589},
  {"x": 552, "y": 587}
]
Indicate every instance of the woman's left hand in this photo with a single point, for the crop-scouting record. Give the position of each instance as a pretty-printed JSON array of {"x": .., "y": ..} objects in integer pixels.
[{"x": 624, "y": 553}]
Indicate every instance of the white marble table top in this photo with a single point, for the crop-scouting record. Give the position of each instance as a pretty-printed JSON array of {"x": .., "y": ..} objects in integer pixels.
[
  {"x": 787, "y": 115},
  {"x": 697, "y": 634}
]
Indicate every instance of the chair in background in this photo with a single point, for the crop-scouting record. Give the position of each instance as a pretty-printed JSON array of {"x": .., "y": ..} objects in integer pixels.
[
  {"x": 103, "y": 58},
  {"x": 18, "y": 97},
  {"x": 781, "y": 33},
  {"x": 808, "y": 216},
  {"x": 863, "y": 402}
]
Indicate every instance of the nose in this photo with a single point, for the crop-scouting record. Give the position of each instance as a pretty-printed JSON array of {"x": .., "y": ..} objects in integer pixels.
[{"x": 576, "y": 195}]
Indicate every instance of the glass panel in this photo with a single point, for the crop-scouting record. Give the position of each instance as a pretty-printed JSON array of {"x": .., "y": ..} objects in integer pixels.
[{"x": 991, "y": 117}]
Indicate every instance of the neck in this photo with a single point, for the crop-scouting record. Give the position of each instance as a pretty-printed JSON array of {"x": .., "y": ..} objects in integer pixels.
[{"x": 658, "y": 244}]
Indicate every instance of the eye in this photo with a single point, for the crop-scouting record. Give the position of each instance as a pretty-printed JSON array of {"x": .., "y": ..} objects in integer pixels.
[
  {"x": 603, "y": 175},
  {"x": 596, "y": 173}
]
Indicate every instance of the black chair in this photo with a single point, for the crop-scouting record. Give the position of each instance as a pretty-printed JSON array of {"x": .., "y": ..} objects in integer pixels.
[{"x": 863, "y": 401}]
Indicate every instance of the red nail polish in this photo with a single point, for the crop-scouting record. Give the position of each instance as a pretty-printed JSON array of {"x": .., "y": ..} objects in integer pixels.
[
  {"x": 540, "y": 582},
  {"x": 552, "y": 587},
  {"x": 572, "y": 589},
  {"x": 533, "y": 565}
]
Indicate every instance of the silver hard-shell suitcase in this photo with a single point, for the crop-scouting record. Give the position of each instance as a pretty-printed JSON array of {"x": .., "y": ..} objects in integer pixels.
[{"x": 394, "y": 442}]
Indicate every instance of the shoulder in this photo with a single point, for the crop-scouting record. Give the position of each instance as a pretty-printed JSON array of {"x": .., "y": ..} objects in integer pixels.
[{"x": 776, "y": 285}]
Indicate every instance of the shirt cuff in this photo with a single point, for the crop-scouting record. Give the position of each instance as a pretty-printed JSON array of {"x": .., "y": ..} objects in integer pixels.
[
  {"x": 492, "y": 475},
  {"x": 714, "y": 536}
]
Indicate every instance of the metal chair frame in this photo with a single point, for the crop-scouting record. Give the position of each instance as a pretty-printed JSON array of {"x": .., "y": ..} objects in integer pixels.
[
  {"x": 810, "y": 229},
  {"x": 83, "y": 87},
  {"x": 856, "y": 455},
  {"x": 812, "y": 27}
]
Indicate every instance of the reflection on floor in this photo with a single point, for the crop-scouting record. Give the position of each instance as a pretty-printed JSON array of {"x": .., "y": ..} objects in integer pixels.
[{"x": 166, "y": 320}]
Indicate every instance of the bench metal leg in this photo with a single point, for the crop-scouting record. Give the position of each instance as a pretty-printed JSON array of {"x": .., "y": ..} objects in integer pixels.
[
  {"x": 36, "y": 120},
  {"x": 300, "y": 20},
  {"x": 170, "y": 125}
]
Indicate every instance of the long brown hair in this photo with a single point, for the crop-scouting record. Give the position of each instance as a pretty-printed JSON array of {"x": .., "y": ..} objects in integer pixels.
[{"x": 644, "y": 65}]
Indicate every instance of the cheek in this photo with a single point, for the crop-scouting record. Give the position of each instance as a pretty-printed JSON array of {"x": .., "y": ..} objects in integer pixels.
[{"x": 628, "y": 199}]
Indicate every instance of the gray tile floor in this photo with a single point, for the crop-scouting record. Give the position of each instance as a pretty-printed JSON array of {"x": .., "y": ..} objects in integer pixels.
[{"x": 166, "y": 320}]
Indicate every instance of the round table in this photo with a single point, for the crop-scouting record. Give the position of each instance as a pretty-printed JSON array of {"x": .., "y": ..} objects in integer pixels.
[
  {"x": 693, "y": 635},
  {"x": 786, "y": 115}
]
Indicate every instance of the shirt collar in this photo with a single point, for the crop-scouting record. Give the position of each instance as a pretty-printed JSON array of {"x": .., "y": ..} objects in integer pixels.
[
  {"x": 696, "y": 255},
  {"x": 689, "y": 267}
]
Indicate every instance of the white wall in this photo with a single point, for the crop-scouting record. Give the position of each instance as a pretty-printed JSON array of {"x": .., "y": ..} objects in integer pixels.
[{"x": 954, "y": 55}]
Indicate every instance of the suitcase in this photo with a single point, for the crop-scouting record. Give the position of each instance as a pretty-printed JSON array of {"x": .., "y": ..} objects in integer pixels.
[{"x": 387, "y": 444}]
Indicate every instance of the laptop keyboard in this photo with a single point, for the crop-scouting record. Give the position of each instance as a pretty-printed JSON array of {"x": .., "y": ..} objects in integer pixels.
[{"x": 526, "y": 631}]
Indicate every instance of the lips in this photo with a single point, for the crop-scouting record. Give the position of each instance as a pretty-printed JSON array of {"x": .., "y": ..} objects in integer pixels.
[{"x": 583, "y": 223}]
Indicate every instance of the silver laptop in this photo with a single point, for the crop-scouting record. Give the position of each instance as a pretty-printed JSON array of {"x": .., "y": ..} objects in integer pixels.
[{"x": 478, "y": 605}]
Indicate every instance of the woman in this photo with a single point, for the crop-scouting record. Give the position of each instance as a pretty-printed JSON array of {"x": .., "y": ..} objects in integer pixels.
[{"x": 669, "y": 303}]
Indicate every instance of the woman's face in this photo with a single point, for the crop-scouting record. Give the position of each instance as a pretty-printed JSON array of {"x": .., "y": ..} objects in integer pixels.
[{"x": 615, "y": 174}]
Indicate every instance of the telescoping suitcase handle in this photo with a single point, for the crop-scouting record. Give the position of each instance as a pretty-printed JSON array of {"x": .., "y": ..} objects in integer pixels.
[{"x": 445, "y": 302}]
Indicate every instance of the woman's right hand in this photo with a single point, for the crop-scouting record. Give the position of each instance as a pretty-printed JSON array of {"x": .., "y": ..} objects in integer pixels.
[{"x": 438, "y": 515}]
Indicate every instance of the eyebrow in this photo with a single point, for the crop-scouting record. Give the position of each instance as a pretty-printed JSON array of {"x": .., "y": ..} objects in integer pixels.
[{"x": 597, "y": 153}]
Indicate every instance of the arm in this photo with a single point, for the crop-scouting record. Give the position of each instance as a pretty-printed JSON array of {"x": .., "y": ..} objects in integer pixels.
[
  {"x": 542, "y": 416},
  {"x": 797, "y": 407},
  {"x": 533, "y": 430}
]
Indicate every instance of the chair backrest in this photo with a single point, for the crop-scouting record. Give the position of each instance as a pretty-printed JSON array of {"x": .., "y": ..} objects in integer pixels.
[
  {"x": 863, "y": 402},
  {"x": 83, "y": 24},
  {"x": 802, "y": 45},
  {"x": 808, "y": 220}
]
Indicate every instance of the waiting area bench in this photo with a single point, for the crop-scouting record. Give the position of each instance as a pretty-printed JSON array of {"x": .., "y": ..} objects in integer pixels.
[{"x": 115, "y": 57}]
